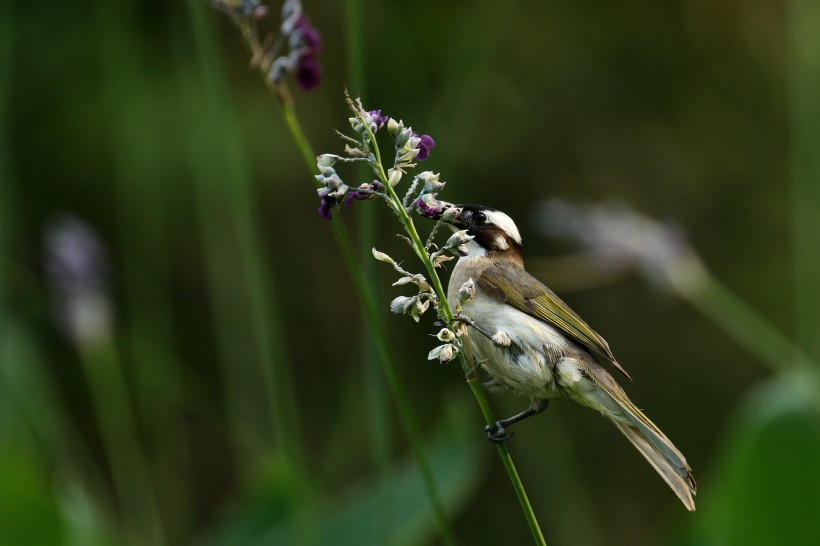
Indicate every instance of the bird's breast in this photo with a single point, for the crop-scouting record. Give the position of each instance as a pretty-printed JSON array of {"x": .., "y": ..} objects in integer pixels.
[{"x": 527, "y": 364}]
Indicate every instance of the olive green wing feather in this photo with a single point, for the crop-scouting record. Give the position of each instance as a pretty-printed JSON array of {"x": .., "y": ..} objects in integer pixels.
[{"x": 509, "y": 283}]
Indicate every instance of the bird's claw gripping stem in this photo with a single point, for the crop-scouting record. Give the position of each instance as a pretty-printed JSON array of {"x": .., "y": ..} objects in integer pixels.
[{"x": 497, "y": 433}]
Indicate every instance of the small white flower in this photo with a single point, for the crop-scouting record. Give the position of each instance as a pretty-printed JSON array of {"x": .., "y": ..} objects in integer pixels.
[
  {"x": 459, "y": 238},
  {"x": 450, "y": 212},
  {"x": 382, "y": 257},
  {"x": 419, "y": 308},
  {"x": 444, "y": 353},
  {"x": 446, "y": 335},
  {"x": 325, "y": 160}
]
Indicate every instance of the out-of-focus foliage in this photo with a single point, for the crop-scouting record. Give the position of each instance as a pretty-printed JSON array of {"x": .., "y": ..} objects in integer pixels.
[{"x": 236, "y": 353}]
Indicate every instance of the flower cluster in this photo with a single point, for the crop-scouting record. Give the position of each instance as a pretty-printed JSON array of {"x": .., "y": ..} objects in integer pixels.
[
  {"x": 421, "y": 196},
  {"x": 409, "y": 147},
  {"x": 304, "y": 43}
]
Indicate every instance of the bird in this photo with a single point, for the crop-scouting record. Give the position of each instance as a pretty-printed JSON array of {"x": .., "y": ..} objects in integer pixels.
[{"x": 530, "y": 342}]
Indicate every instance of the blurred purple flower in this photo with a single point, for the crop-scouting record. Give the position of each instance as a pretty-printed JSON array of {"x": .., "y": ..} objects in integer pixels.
[
  {"x": 304, "y": 42},
  {"x": 427, "y": 143},
  {"x": 308, "y": 72},
  {"x": 76, "y": 265},
  {"x": 306, "y": 35}
]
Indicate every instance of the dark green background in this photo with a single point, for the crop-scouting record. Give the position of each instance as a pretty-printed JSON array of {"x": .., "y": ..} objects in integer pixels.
[{"x": 692, "y": 111}]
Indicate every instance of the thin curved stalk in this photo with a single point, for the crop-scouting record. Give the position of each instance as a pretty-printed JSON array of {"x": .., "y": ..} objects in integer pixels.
[{"x": 368, "y": 300}]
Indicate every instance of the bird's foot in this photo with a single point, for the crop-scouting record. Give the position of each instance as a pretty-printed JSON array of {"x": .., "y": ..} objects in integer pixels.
[{"x": 497, "y": 433}]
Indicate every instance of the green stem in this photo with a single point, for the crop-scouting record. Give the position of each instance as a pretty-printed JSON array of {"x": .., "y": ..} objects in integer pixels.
[
  {"x": 365, "y": 294},
  {"x": 118, "y": 427}
]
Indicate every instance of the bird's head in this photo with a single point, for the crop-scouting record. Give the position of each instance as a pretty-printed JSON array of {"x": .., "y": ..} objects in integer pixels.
[{"x": 496, "y": 235}]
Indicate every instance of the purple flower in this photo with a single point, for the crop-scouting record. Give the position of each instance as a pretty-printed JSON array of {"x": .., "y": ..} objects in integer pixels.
[
  {"x": 378, "y": 118},
  {"x": 326, "y": 208},
  {"x": 363, "y": 192},
  {"x": 428, "y": 206},
  {"x": 308, "y": 72},
  {"x": 306, "y": 35},
  {"x": 427, "y": 143}
]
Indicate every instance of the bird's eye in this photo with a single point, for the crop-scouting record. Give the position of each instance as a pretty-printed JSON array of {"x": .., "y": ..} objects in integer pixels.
[{"x": 479, "y": 218}]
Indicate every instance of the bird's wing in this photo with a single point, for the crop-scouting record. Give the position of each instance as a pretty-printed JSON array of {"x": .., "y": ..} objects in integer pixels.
[{"x": 509, "y": 283}]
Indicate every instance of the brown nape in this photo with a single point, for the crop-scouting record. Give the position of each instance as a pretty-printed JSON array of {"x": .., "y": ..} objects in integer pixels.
[{"x": 499, "y": 245}]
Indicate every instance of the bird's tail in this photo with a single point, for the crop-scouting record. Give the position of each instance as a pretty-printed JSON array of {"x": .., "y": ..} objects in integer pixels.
[
  {"x": 647, "y": 438},
  {"x": 673, "y": 470}
]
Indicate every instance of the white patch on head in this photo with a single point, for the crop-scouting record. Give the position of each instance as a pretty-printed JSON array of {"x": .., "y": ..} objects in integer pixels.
[{"x": 498, "y": 218}]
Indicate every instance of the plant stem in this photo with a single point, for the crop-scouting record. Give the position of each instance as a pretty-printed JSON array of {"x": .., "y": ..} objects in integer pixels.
[
  {"x": 399, "y": 393},
  {"x": 803, "y": 42}
]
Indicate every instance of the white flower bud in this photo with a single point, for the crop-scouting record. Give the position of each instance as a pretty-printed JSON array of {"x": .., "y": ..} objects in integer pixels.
[
  {"x": 394, "y": 127},
  {"x": 403, "y": 136},
  {"x": 325, "y": 160},
  {"x": 446, "y": 335},
  {"x": 402, "y": 304},
  {"x": 459, "y": 238},
  {"x": 356, "y": 124},
  {"x": 402, "y": 281},
  {"x": 382, "y": 257},
  {"x": 467, "y": 291},
  {"x": 394, "y": 177}
]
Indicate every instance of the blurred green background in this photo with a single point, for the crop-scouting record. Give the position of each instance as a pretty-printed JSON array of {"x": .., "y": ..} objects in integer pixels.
[{"x": 237, "y": 401}]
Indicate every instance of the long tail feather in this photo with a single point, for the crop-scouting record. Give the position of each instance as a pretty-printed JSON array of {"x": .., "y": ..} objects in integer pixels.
[
  {"x": 647, "y": 438},
  {"x": 683, "y": 486}
]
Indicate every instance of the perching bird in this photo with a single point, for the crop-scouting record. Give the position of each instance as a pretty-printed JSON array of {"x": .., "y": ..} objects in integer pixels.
[{"x": 531, "y": 342}]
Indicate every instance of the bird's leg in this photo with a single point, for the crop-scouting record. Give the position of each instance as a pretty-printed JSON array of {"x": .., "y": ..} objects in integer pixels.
[{"x": 498, "y": 433}]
